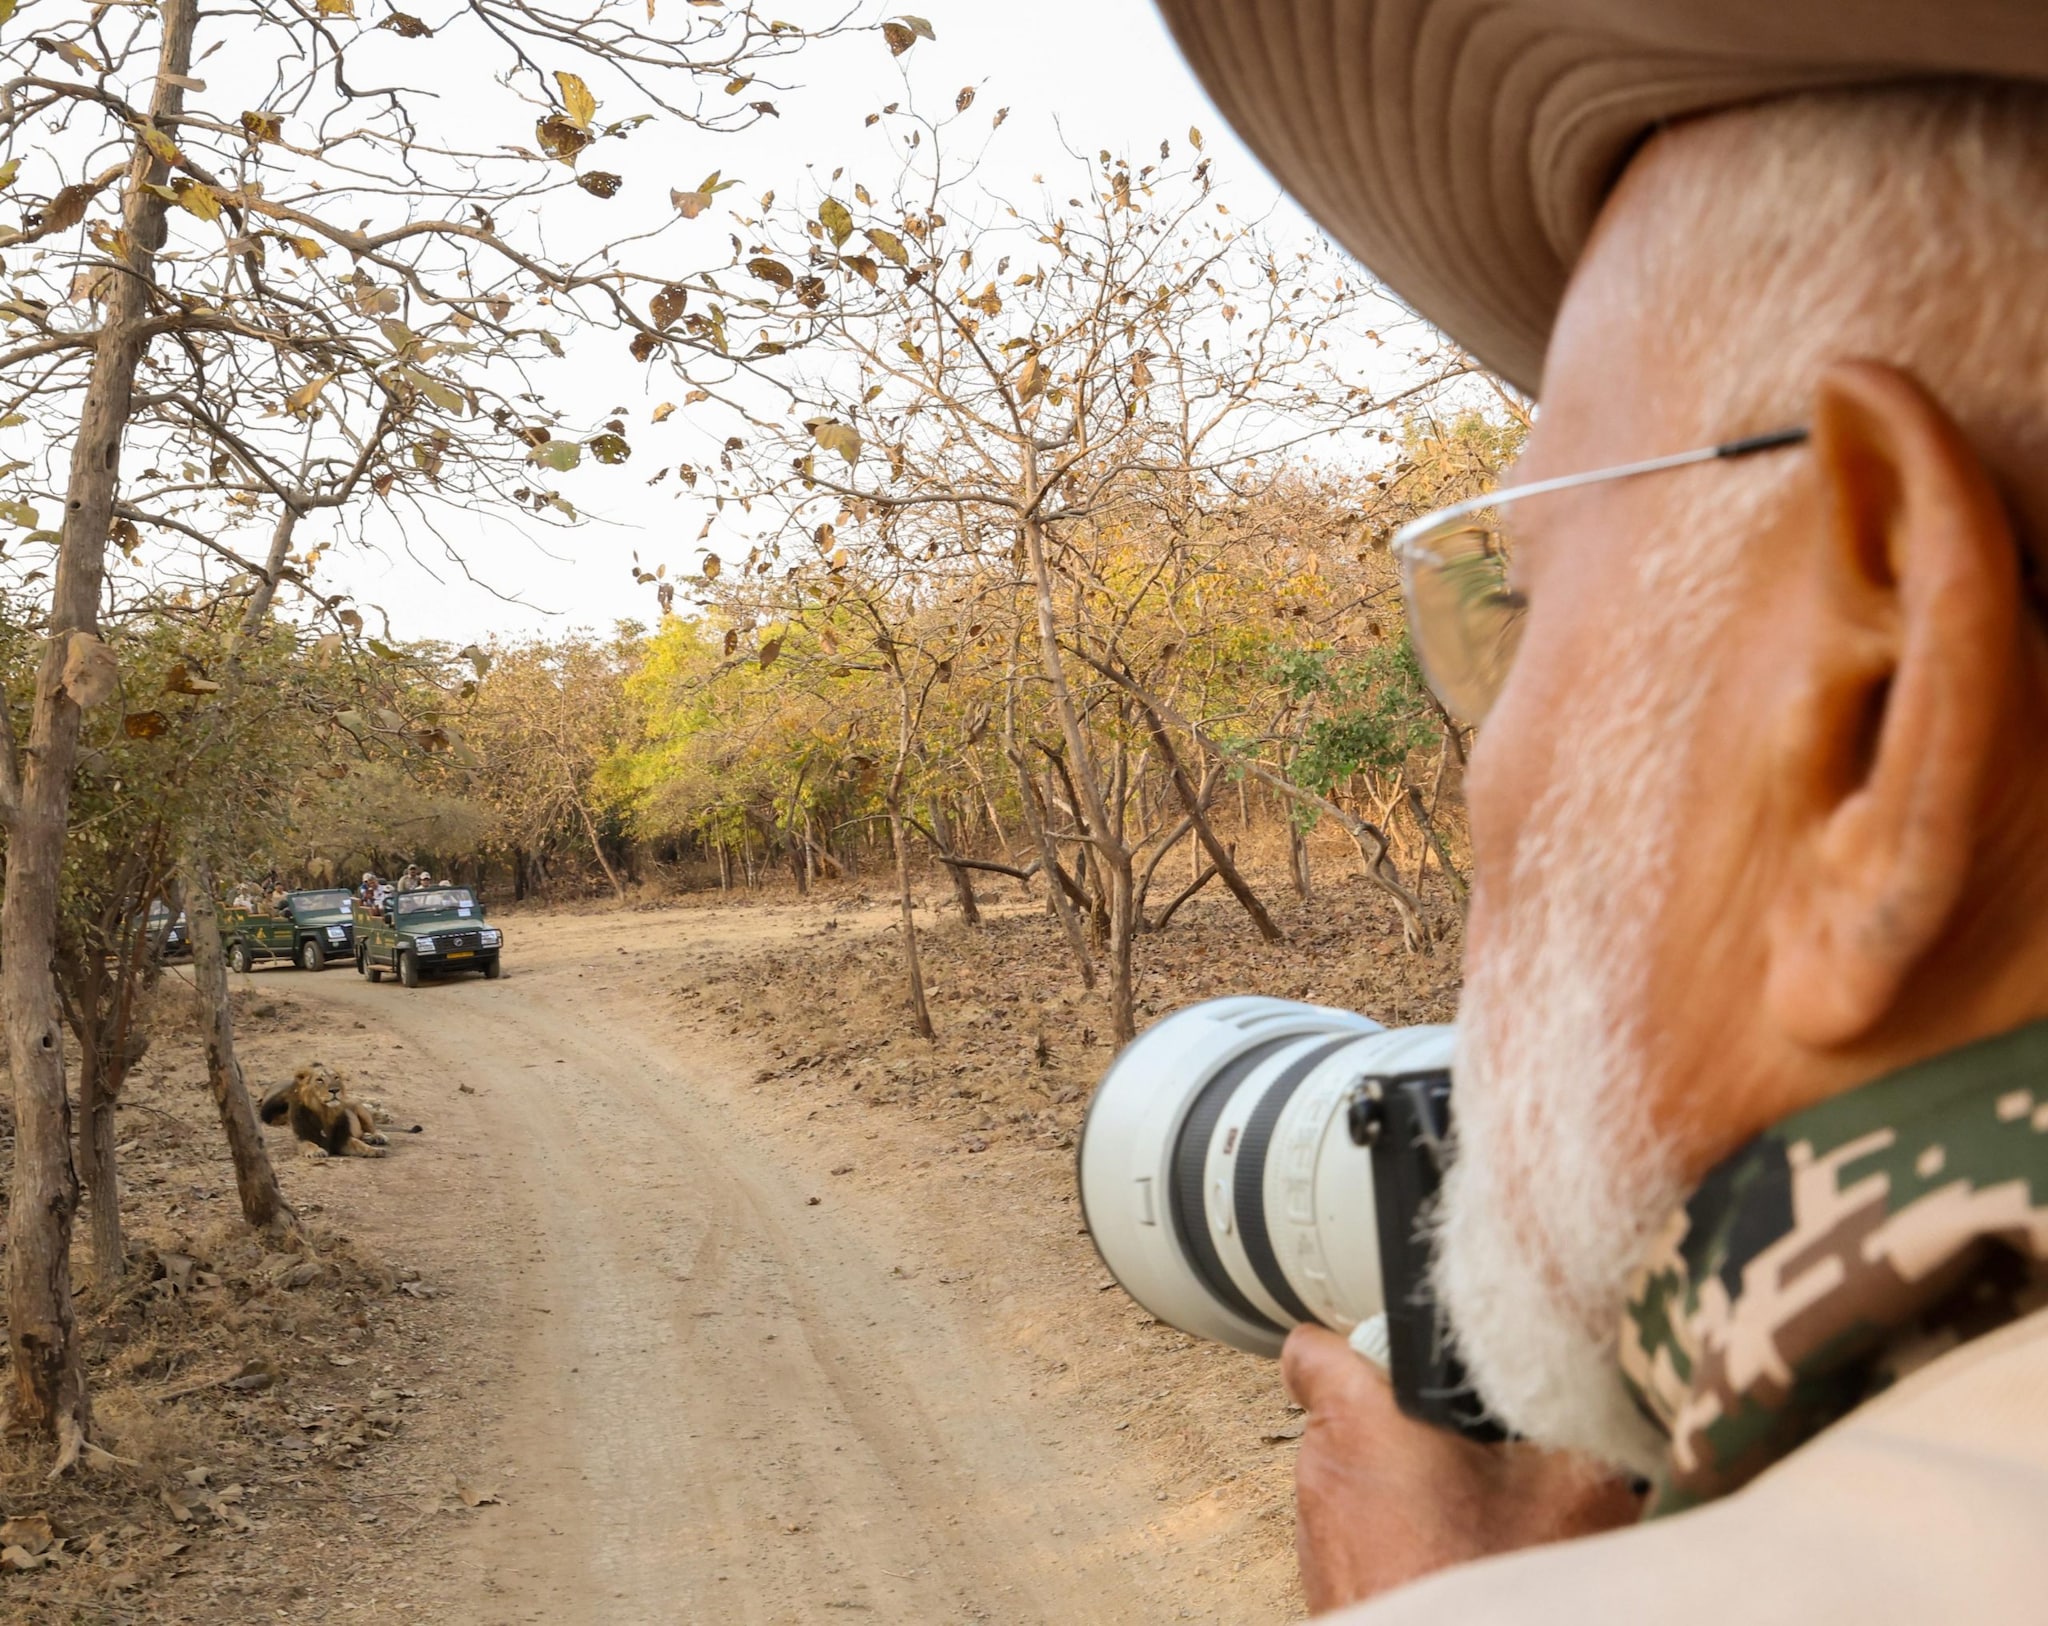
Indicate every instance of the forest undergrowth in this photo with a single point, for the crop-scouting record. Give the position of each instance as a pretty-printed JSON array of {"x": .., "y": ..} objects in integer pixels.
[
  {"x": 1020, "y": 1041},
  {"x": 248, "y": 1396}
]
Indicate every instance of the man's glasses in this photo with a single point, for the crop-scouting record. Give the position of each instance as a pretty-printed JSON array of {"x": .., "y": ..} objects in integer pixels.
[{"x": 1464, "y": 616}]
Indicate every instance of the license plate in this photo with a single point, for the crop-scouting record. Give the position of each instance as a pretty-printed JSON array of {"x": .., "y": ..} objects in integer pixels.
[{"x": 463, "y": 954}]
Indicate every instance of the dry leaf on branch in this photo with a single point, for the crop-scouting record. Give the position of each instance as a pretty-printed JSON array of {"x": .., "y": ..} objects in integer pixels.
[{"x": 91, "y": 674}]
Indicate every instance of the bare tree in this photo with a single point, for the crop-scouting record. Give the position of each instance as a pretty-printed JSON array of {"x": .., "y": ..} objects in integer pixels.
[
  {"x": 178, "y": 297},
  {"x": 1027, "y": 386}
]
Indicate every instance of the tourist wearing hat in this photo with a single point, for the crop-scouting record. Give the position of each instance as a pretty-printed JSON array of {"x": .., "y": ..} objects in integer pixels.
[{"x": 1746, "y": 1237}]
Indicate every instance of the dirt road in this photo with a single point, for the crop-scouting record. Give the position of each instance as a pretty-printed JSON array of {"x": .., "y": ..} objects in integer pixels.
[{"x": 710, "y": 1379}]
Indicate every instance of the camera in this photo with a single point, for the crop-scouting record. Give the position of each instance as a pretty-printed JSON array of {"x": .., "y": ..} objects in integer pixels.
[{"x": 1249, "y": 1164}]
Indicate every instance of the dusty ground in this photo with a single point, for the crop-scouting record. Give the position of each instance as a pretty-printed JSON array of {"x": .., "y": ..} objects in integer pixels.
[{"x": 727, "y": 1300}]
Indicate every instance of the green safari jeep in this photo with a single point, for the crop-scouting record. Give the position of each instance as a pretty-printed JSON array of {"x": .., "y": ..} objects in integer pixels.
[
  {"x": 425, "y": 933},
  {"x": 311, "y": 929}
]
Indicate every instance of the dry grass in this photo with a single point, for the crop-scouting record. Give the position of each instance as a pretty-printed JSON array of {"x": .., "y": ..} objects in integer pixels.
[
  {"x": 1021, "y": 1042},
  {"x": 227, "y": 1400}
]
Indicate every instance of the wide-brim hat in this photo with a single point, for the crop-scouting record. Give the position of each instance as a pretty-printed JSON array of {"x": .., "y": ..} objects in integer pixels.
[{"x": 1462, "y": 148}]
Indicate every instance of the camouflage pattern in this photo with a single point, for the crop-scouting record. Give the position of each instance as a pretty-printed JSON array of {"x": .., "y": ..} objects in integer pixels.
[{"x": 1836, "y": 1253}]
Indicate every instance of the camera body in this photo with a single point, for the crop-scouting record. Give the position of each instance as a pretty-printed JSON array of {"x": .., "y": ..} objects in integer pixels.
[{"x": 1249, "y": 1164}]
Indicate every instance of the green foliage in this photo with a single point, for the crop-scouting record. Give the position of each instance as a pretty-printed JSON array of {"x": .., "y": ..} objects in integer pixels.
[{"x": 1371, "y": 712}]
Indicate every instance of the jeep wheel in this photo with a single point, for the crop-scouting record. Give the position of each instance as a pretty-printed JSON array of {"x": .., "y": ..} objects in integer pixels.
[
  {"x": 312, "y": 957},
  {"x": 492, "y": 969},
  {"x": 362, "y": 962},
  {"x": 238, "y": 957},
  {"x": 408, "y": 968}
]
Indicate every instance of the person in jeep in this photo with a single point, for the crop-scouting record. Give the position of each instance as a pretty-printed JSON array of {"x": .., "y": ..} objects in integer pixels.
[{"x": 429, "y": 931}]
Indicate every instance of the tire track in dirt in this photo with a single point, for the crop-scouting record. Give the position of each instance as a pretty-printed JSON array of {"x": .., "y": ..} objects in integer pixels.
[{"x": 722, "y": 1402}]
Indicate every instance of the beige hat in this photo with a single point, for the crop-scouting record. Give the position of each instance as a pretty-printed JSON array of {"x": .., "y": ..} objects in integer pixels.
[{"x": 1461, "y": 148}]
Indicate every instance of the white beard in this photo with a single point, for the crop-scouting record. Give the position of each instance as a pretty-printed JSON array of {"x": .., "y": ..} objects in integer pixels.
[
  {"x": 1559, "y": 1184},
  {"x": 1556, "y": 1189}
]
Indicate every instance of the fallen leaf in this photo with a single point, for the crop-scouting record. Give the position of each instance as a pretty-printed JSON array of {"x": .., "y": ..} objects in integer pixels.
[
  {"x": 31, "y": 1531},
  {"x": 256, "y": 1373},
  {"x": 473, "y": 1496}
]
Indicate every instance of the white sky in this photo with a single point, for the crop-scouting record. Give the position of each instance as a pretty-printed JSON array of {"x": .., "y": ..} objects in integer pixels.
[{"x": 1102, "y": 73}]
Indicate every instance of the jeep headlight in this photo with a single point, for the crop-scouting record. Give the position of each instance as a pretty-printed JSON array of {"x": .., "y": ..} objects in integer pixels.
[
  {"x": 336, "y": 933},
  {"x": 424, "y": 945},
  {"x": 492, "y": 937}
]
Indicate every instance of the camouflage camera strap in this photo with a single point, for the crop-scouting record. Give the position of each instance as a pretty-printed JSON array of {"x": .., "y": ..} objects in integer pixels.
[{"x": 1837, "y": 1252}]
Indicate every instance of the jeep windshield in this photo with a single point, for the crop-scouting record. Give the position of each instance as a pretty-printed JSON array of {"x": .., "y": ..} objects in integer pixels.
[
  {"x": 308, "y": 906},
  {"x": 433, "y": 900}
]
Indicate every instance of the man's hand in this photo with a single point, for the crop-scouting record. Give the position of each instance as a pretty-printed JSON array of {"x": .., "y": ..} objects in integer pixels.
[{"x": 1382, "y": 1499}]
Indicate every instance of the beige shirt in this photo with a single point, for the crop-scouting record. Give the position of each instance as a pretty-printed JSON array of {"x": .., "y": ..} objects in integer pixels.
[{"x": 1928, "y": 1505}]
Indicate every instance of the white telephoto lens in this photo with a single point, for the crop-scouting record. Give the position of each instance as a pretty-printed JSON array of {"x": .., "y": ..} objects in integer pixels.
[{"x": 1218, "y": 1174}]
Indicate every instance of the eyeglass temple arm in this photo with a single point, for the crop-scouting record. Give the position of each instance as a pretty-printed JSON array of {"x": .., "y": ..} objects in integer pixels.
[{"x": 1748, "y": 446}]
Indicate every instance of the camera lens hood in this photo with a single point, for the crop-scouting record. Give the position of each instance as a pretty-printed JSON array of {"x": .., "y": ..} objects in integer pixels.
[{"x": 1218, "y": 1177}]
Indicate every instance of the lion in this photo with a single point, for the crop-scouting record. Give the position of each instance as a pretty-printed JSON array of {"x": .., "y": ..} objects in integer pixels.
[{"x": 327, "y": 1122}]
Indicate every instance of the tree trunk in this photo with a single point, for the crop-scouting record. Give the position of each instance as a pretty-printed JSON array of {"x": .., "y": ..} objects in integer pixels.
[
  {"x": 96, "y": 1169},
  {"x": 1202, "y": 879},
  {"x": 1056, "y": 898},
  {"x": 81, "y": 976},
  {"x": 913, "y": 969},
  {"x": 263, "y": 1205},
  {"x": 1297, "y": 860},
  {"x": 1432, "y": 841},
  {"x": 963, "y": 883},
  {"x": 1191, "y": 803},
  {"x": 597, "y": 847},
  {"x": 1123, "y": 932},
  {"x": 48, "y": 1394},
  {"x": 1414, "y": 929},
  {"x": 1113, "y": 856}
]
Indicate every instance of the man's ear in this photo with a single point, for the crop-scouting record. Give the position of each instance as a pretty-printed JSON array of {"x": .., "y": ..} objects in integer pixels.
[{"x": 1908, "y": 642}]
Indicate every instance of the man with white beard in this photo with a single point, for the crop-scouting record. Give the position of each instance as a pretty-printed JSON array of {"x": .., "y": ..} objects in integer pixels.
[{"x": 1750, "y": 1200}]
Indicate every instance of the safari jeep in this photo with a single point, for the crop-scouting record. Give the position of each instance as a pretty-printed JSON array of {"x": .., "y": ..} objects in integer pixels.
[
  {"x": 426, "y": 933},
  {"x": 311, "y": 929},
  {"x": 175, "y": 935}
]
